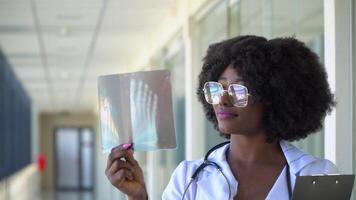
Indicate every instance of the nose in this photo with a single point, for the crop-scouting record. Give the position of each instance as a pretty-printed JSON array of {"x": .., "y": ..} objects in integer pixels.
[{"x": 225, "y": 99}]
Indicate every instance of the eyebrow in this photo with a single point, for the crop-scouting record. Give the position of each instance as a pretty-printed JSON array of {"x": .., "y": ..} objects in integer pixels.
[{"x": 235, "y": 80}]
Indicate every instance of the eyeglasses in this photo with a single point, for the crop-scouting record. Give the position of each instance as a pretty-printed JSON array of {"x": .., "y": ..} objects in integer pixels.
[{"x": 238, "y": 94}]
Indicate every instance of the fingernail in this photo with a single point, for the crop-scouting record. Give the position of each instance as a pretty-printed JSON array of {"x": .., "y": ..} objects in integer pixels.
[{"x": 126, "y": 146}]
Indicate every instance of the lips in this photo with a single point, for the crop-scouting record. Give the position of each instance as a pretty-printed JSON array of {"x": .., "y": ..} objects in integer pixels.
[{"x": 226, "y": 115}]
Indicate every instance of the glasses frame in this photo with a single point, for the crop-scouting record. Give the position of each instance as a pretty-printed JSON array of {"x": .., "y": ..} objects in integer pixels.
[{"x": 231, "y": 96}]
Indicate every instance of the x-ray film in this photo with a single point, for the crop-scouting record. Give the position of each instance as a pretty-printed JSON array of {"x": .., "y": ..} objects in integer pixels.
[{"x": 136, "y": 108}]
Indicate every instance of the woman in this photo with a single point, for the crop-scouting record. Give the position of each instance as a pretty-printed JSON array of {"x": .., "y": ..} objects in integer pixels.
[{"x": 259, "y": 94}]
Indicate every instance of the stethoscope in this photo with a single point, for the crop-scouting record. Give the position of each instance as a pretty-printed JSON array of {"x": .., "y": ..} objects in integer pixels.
[{"x": 207, "y": 162}]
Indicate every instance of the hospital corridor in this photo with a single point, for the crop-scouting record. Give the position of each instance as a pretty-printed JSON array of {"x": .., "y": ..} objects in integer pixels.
[{"x": 55, "y": 56}]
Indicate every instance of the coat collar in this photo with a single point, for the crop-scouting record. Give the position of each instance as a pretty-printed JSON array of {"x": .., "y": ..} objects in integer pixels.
[{"x": 296, "y": 159}]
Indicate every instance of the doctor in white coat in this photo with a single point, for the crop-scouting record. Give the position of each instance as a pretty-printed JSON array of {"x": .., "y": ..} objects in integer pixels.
[
  {"x": 259, "y": 94},
  {"x": 212, "y": 185}
]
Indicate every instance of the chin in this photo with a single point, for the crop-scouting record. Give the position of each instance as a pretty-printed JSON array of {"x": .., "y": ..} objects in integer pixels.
[
  {"x": 225, "y": 130},
  {"x": 230, "y": 130}
]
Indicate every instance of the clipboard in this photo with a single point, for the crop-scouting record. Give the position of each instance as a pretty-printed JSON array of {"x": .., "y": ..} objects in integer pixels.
[{"x": 331, "y": 187}]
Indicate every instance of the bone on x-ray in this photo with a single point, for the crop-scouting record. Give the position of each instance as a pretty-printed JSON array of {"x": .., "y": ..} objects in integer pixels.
[{"x": 136, "y": 108}]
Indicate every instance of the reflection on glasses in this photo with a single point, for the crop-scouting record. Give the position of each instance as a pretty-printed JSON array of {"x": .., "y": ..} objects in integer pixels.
[{"x": 213, "y": 91}]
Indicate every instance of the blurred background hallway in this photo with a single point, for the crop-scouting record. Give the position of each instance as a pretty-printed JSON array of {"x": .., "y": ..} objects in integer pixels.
[{"x": 52, "y": 52}]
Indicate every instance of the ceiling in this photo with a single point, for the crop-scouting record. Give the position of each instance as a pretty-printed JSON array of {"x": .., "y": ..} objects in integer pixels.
[{"x": 59, "y": 48}]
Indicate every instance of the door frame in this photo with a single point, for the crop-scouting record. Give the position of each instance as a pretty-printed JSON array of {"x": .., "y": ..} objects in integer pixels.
[{"x": 55, "y": 156}]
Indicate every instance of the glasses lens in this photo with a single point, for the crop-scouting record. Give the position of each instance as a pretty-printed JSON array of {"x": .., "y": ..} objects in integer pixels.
[
  {"x": 212, "y": 92},
  {"x": 239, "y": 95}
]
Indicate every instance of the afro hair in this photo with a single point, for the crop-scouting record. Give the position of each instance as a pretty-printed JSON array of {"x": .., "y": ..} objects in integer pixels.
[{"x": 283, "y": 74}]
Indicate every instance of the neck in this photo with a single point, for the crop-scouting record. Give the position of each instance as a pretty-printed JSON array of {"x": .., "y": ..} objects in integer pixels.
[{"x": 254, "y": 150}]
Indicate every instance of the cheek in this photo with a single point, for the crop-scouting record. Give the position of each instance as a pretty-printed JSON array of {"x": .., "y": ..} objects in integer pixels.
[
  {"x": 214, "y": 109},
  {"x": 251, "y": 119}
]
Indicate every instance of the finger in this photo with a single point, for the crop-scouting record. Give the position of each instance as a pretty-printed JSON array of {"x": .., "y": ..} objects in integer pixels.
[
  {"x": 117, "y": 165},
  {"x": 130, "y": 158},
  {"x": 118, "y": 178},
  {"x": 121, "y": 176},
  {"x": 117, "y": 152}
]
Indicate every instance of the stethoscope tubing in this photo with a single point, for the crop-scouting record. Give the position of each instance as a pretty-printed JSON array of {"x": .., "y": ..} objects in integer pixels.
[{"x": 214, "y": 164}]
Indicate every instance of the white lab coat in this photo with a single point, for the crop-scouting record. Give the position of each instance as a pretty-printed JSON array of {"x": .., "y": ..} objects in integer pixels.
[{"x": 210, "y": 183}]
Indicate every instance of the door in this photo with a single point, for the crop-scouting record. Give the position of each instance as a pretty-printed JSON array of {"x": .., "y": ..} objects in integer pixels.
[{"x": 74, "y": 158}]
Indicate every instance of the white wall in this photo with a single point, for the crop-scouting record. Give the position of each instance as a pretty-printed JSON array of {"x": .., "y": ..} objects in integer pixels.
[
  {"x": 24, "y": 185},
  {"x": 34, "y": 133},
  {"x": 338, "y": 62}
]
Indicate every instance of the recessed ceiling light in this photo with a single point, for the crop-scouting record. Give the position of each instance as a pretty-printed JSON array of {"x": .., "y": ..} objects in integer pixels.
[{"x": 64, "y": 31}]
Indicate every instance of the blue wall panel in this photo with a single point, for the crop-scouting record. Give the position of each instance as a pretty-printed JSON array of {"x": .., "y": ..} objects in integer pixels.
[
  {"x": 15, "y": 122},
  {"x": 2, "y": 112}
]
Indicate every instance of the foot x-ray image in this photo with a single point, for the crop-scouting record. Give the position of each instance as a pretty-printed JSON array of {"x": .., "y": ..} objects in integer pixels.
[{"x": 136, "y": 108}]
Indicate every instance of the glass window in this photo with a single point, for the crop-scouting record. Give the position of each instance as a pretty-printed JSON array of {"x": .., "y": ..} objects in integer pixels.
[
  {"x": 235, "y": 19},
  {"x": 302, "y": 19},
  {"x": 159, "y": 165},
  {"x": 212, "y": 27}
]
